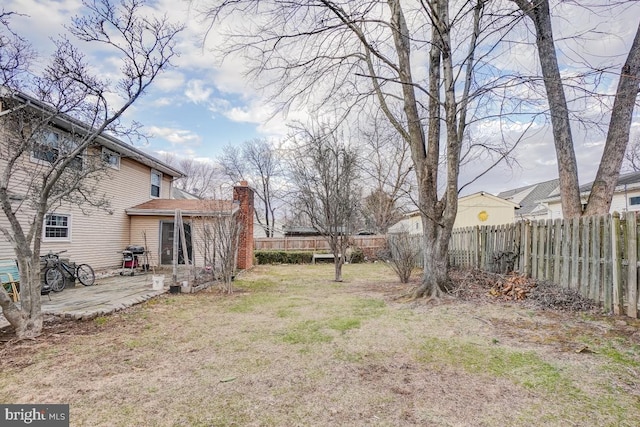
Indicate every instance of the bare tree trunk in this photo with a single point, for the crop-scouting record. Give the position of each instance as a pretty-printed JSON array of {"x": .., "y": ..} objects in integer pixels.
[
  {"x": 538, "y": 12},
  {"x": 619, "y": 126},
  {"x": 435, "y": 280},
  {"x": 618, "y": 135}
]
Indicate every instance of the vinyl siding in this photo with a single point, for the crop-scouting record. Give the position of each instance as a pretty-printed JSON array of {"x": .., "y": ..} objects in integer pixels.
[
  {"x": 493, "y": 211},
  {"x": 619, "y": 203},
  {"x": 98, "y": 236},
  {"x": 151, "y": 226}
]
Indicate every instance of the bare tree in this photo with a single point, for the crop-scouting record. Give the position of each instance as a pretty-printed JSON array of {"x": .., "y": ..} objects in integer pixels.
[
  {"x": 257, "y": 161},
  {"x": 203, "y": 179},
  {"x": 632, "y": 156},
  {"x": 336, "y": 56},
  {"x": 539, "y": 13},
  {"x": 77, "y": 101},
  {"x": 219, "y": 246},
  {"x": 325, "y": 172},
  {"x": 386, "y": 164},
  {"x": 15, "y": 53},
  {"x": 401, "y": 252}
]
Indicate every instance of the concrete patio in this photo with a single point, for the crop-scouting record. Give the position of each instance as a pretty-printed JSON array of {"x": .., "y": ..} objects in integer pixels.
[{"x": 108, "y": 294}]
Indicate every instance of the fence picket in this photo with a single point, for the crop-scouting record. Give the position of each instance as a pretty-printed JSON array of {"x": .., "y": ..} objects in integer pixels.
[
  {"x": 594, "y": 277},
  {"x": 632, "y": 266},
  {"x": 616, "y": 270}
]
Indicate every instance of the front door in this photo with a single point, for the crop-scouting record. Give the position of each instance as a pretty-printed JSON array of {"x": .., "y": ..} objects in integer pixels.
[{"x": 166, "y": 240}]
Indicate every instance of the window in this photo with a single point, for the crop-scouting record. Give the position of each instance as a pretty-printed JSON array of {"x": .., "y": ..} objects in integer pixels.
[
  {"x": 111, "y": 158},
  {"x": 52, "y": 145},
  {"x": 57, "y": 227},
  {"x": 156, "y": 180},
  {"x": 634, "y": 201}
]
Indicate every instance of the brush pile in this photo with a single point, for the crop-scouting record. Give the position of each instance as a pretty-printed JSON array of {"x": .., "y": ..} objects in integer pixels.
[{"x": 513, "y": 287}]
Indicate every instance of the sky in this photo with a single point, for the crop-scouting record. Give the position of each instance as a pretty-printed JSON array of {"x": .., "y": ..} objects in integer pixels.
[{"x": 199, "y": 106}]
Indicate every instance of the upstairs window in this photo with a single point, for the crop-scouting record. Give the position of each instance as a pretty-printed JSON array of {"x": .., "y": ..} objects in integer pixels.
[
  {"x": 53, "y": 144},
  {"x": 111, "y": 158},
  {"x": 57, "y": 227},
  {"x": 634, "y": 201},
  {"x": 156, "y": 181}
]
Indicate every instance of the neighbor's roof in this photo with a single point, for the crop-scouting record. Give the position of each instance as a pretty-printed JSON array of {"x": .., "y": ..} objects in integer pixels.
[
  {"x": 68, "y": 123},
  {"x": 626, "y": 181},
  {"x": 188, "y": 207},
  {"x": 530, "y": 196}
]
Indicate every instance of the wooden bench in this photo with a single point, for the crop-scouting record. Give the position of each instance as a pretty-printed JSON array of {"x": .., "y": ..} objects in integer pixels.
[
  {"x": 322, "y": 256},
  {"x": 10, "y": 277}
]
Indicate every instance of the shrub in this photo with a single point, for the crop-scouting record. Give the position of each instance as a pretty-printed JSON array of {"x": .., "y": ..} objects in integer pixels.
[
  {"x": 283, "y": 257},
  {"x": 357, "y": 256}
]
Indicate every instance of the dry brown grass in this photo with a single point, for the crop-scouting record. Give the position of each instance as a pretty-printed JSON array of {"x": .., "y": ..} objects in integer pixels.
[{"x": 291, "y": 347}]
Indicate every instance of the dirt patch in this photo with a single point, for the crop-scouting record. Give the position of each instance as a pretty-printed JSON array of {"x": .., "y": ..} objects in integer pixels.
[{"x": 292, "y": 347}]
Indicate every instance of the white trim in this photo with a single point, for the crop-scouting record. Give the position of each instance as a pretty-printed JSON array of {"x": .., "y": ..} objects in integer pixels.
[
  {"x": 112, "y": 154},
  {"x": 61, "y": 136},
  {"x": 159, "y": 175},
  {"x": 57, "y": 239}
]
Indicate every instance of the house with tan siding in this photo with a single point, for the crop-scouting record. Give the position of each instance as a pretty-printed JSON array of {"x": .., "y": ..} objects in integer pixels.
[
  {"x": 136, "y": 186},
  {"x": 479, "y": 208}
]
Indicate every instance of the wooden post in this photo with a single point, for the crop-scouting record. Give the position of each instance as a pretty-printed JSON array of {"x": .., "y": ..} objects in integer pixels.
[
  {"x": 632, "y": 268},
  {"x": 584, "y": 244},
  {"x": 475, "y": 247},
  {"x": 176, "y": 235},
  {"x": 567, "y": 260},
  {"x": 559, "y": 263},
  {"x": 575, "y": 254},
  {"x": 526, "y": 239},
  {"x": 594, "y": 277},
  {"x": 616, "y": 271},
  {"x": 185, "y": 255},
  {"x": 548, "y": 249}
]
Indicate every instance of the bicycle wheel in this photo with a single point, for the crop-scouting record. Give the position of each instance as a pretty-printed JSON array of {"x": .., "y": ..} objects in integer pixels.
[
  {"x": 54, "y": 277},
  {"x": 85, "y": 274}
]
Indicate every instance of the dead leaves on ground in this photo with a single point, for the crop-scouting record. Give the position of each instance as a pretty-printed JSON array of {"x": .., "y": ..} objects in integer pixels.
[{"x": 512, "y": 287}]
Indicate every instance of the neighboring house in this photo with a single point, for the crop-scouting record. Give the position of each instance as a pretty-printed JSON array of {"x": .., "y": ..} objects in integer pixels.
[
  {"x": 410, "y": 223},
  {"x": 530, "y": 199},
  {"x": 626, "y": 196},
  {"x": 98, "y": 236},
  {"x": 476, "y": 209},
  {"x": 484, "y": 209}
]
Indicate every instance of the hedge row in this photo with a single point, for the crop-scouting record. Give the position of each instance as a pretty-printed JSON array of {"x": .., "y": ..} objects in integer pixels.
[
  {"x": 296, "y": 257},
  {"x": 283, "y": 257}
]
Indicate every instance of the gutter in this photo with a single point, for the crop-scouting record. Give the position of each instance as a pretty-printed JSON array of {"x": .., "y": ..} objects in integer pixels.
[
  {"x": 104, "y": 139},
  {"x": 171, "y": 212}
]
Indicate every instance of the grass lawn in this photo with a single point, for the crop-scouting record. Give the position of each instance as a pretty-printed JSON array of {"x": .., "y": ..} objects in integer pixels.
[{"x": 290, "y": 347}]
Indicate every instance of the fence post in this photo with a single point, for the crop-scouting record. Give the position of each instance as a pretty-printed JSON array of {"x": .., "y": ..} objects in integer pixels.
[
  {"x": 594, "y": 277},
  {"x": 586, "y": 251},
  {"x": 557, "y": 250},
  {"x": 567, "y": 261},
  {"x": 616, "y": 270},
  {"x": 526, "y": 250},
  {"x": 632, "y": 267}
]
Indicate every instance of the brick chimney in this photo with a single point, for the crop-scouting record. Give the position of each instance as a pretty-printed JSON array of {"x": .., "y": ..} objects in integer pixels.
[{"x": 243, "y": 195}]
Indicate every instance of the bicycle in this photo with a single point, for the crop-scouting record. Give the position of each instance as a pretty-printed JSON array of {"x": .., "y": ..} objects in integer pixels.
[{"x": 54, "y": 274}]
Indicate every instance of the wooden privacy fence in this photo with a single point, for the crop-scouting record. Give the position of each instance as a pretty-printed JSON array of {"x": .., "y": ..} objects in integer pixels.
[
  {"x": 370, "y": 245},
  {"x": 595, "y": 256}
]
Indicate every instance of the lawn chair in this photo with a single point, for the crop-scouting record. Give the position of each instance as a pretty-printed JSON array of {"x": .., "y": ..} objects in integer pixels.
[{"x": 10, "y": 277}]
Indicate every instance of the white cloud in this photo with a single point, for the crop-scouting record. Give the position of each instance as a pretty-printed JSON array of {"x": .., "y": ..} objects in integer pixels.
[
  {"x": 169, "y": 80},
  {"x": 197, "y": 92},
  {"x": 175, "y": 136}
]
